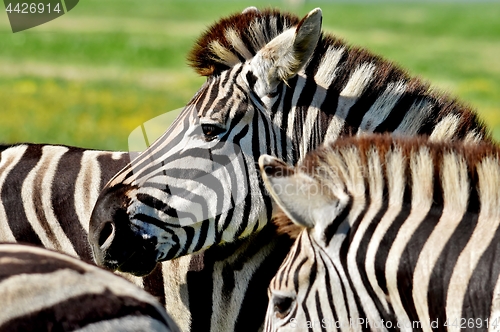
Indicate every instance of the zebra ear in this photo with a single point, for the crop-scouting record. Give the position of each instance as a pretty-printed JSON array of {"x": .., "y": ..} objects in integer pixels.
[
  {"x": 251, "y": 9},
  {"x": 298, "y": 194},
  {"x": 284, "y": 56}
]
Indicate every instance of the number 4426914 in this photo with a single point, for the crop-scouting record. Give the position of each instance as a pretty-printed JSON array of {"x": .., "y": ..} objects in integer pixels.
[{"x": 32, "y": 8}]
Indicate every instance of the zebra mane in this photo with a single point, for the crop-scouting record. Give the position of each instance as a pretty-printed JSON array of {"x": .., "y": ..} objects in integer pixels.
[
  {"x": 237, "y": 38},
  {"x": 284, "y": 225},
  {"x": 334, "y": 156}
]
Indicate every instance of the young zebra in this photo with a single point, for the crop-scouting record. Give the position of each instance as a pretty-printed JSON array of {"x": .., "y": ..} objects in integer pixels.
[
  {"x": 275, "y": 85},
  {"x": 390, "y": 234},
  {"x": 42, "y": 290}
]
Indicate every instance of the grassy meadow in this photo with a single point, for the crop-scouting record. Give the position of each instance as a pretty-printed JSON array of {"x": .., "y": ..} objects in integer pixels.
[{"x": 91, "y": 76}]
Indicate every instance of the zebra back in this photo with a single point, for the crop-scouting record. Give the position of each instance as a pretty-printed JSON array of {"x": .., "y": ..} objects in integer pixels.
[
  {"x": 43, "y": 290},
  {"x": 396, "y": 230},
  {"x": 48, "y": 192}
]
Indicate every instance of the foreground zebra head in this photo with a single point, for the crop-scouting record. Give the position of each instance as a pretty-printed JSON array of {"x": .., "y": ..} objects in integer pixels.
[
  {"x": 42, "y": 290},
  {"x": 275, "y": 85},
  {"x": 387, "y": 230},
  {"x": 207, "y": 158}
]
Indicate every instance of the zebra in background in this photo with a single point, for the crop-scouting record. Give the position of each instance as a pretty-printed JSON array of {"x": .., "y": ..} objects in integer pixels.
[
  {"x": 275, "y": 85},
  {"x": 47, "y": 193},
  {"x": 390, "y": 234},
  {"x": 42, "y": 290}
]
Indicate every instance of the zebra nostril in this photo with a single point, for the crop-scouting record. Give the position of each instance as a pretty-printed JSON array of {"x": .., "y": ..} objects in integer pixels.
[
  {"x": 107, "y": 235},
  {"x": 282, "y": 305}
]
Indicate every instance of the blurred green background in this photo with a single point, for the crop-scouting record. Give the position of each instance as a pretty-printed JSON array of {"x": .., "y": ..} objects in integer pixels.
[{"x": 91, "y": 76}]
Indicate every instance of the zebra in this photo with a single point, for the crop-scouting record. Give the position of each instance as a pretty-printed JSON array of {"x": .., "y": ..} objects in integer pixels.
[
  {"x": 47, "y": 193},
  {"x": 44, "y": 290},
  {"x": 391, "y": 233},
  {"x": 275, "y": 85}
]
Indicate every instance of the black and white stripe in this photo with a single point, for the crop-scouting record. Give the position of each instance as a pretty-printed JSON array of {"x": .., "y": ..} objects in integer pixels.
[
  {"x": 275, "y": 85},
  {"x": 43, "y": 290},
  {"x": 67, "y": 175},
  {"x": 400, "y": 233},
  {"x": 48, "y": 191}
]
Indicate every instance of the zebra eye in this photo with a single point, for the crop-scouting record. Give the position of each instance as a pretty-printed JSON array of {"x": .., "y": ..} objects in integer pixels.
[
  {"x": 282, "y": 305},
  {"x": 211, "y": 131}
]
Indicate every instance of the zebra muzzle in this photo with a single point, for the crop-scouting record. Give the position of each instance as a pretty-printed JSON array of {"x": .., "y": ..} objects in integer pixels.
[{"x": 116, "y": 244}]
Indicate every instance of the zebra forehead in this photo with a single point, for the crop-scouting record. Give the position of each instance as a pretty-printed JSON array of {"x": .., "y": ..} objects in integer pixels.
[{"x": 237, "y": 38}]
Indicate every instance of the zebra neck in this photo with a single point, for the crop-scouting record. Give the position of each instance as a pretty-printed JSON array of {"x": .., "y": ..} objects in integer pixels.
[
  {"x": 228, "y": 284},
  {"x": 306, "y": 115}
]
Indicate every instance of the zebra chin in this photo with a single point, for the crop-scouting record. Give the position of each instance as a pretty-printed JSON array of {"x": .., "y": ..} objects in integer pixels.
[{"x": 115, "y": 245}]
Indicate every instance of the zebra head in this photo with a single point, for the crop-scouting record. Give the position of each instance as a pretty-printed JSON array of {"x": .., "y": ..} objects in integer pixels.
[
  {"x": 198, "y": 185},
  {"x": 377, "y": 222},
  {"x": 308, "y": 208}
]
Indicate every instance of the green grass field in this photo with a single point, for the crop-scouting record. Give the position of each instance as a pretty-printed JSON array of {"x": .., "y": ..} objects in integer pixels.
[{"x": 90, "y": 77}]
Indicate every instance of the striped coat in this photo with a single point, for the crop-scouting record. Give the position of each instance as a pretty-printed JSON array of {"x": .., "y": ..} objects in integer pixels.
[
  {"x": 42, "y": 290},
  {"x": 276, "y": 84},
  {"x": 390, "y": 234},
  {"x": 47, "y": 193}
]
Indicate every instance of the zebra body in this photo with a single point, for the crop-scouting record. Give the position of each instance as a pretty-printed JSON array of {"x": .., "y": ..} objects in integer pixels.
[
  {"x": 275, "y": 85},
  {"x": 47, "y": 194},
  {"x": 390, "y": 234},
  {"x": 43, "y": 290}
]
